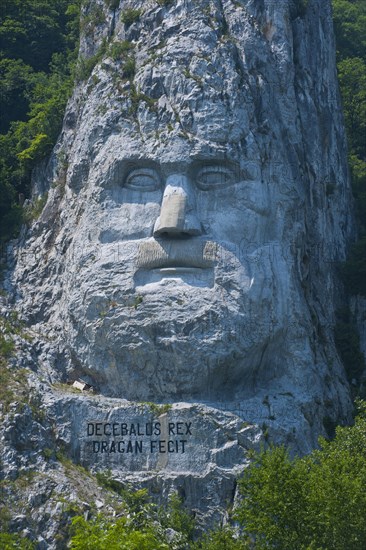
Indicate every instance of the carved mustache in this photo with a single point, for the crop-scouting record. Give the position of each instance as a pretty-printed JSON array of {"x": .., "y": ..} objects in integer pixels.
[{"x": 193, "y": 253}]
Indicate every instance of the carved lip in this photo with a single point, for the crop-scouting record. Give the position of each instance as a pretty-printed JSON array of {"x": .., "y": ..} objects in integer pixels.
[{"x": 181, "y": 256}]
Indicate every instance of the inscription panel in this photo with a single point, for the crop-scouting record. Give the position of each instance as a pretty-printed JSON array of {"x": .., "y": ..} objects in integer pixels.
[{"x": 133, "y": 439}]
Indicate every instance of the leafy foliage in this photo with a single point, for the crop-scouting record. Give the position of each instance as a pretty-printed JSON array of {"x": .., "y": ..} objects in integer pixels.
[
  {"x": 175, "y": 517},
  {"x": 317, "y": 501},
  {"x": 349, "y": 23},
  {"x": 11, "y": 541},
  {"x": 23, "y": 20},
  {"x": 87, "y": 64},
  {"x": 118, "y": 50},
  {"x": 102, "y": 533},
  {"x": 352, "y": 79},
  {"x": 142, "y": 525},
  {"x": 130, "y": 15},
  {"x": 129, "y": 68},
  {"x": 37, "y": 54},
  {"x": 11, "y": 380},
  {"x": 221, "y": 539},
  {"x": 164, "y": 2},
  {"x": 349, "y": 17},
  {"x": 358, "y": 170},
  {"x": 33, "y": 211}
]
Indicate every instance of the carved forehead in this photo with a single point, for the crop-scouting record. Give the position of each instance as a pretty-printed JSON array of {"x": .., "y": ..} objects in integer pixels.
[
  {"x": 193, "y": 92},
  {"x": 184, "y": 85}
]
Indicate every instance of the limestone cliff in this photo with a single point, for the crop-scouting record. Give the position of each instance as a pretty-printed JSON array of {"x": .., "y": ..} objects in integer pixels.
[{"x": 198, "y": 201}]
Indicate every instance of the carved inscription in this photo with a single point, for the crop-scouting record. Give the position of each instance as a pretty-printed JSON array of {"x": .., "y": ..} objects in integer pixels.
[{"x": 150, "y": 437}]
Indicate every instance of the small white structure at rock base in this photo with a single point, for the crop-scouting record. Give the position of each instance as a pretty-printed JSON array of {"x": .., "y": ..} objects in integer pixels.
[{"x": 82, "y": 386}]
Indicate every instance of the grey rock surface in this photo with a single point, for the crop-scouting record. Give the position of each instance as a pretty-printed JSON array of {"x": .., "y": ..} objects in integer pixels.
[
  {"x": 198, "y": 201},
  {"x": 194, "y": 450}
]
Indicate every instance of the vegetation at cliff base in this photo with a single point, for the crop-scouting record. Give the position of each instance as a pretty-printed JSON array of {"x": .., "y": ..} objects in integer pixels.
[
  {"x": 14, "y": 542},
  {"x": 100, "y": 534},
  {"x": 314, "y": 502}
]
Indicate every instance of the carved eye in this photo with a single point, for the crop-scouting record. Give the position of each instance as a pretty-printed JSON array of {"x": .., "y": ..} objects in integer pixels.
[
  {"x": 143, "y": 179},
  {"x": 213, "y": 177}
]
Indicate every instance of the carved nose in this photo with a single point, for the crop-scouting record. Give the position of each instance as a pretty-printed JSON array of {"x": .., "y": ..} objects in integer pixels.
[{"x": 177, "y": 213}]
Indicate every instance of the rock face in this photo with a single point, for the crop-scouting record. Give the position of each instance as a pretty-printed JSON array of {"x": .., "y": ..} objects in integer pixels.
[
  {"x": 194, "y": 450},
  {"x": 198, "y": 200}
]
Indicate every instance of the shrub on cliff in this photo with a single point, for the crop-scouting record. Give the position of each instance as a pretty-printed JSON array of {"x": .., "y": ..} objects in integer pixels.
[
  {"x": 318, "y": 501},
  {"x": 101, "y": 533}
]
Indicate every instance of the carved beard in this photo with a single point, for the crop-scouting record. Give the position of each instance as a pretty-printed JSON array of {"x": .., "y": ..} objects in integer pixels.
[{"x": 181, "y": 335}]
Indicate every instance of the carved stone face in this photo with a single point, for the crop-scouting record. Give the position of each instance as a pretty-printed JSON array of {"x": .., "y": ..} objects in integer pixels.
[
  {"x": 186, "y": 212},
  {"x": 185, "y": 251},
  {"x": 177, "y": 287}
]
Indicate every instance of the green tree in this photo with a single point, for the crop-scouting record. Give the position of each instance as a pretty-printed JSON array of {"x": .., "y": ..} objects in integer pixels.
[
  {"x": 221, "y": 539},
  {"x": 272, "y": 507},
  {"x": 33, "y": 30},
  {"x": 142, "y": 527},
  {"x": 119, "y": 534},
  {"x": 38, "y": 46},
  {"x": 352, "y": 80},
  {"x": 10, "y": 211},
  {"x": 14, "y": 542},
  {"x": 314, "y": 502},
  {"x": 175, "y": 517},
  {"x": 15, "y": 79},
  {"x": 349, "y": 17}
]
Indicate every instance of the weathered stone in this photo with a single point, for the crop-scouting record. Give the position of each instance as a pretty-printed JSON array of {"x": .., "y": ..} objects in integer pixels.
[
  {"x": 235, "y": 150},
  {"x": 185, "y": 254}
]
